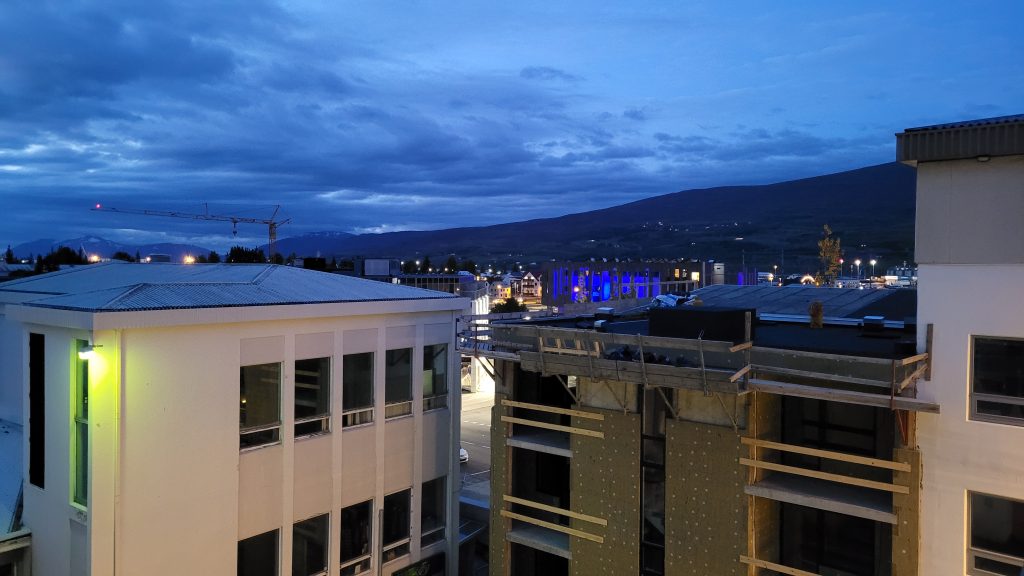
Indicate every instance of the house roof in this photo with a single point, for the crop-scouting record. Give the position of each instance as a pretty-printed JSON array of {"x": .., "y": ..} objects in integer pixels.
[
  {"x": 120, "y": 287},
  {"x": 795, "y": 300},
  {"x": 986, "y": 137}
]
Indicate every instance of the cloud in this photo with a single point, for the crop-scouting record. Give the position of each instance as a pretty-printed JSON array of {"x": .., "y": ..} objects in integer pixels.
[{"x": 547, "y": 73}]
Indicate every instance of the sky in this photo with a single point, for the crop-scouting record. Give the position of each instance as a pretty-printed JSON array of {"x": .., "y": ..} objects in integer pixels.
[{"x": 377, "y": 116}]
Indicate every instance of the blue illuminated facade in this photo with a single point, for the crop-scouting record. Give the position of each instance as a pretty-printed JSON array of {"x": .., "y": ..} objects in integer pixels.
[{"x": 567, "y": 282}]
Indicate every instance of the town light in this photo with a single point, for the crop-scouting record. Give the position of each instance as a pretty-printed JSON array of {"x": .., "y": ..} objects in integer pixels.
[
  {"x": 94, "y": 258},
  {"x": 88, "y": 351},
  {"x": 189, "y": 259}
]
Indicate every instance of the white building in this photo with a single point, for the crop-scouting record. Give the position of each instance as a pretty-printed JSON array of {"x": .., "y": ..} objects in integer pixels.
[
  {"x": 214, "y": 419},
  {"x": 970, "y": 253}
]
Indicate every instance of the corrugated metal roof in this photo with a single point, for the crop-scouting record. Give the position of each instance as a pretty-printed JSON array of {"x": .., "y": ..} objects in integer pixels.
[
  {"x": 987, "y": 137},
  {"x": 126, "y": 287},
  {"x": 795, "y": 300},
  {"x": 971, "y": 123}
]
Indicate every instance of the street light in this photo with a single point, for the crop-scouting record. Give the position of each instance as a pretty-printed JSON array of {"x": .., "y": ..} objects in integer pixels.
[
  {"x": 857, "y": 263},
  {"x": 873, "y": 262}
]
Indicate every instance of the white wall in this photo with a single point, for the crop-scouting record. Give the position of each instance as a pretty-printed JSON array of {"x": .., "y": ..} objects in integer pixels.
[
  {"x": 958, "y": 454},
  {"x": 166, "y": 466}
]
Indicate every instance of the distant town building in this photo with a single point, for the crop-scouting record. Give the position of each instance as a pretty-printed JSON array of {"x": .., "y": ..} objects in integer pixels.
[
  {"x": 600, "y": 281},
  {"x": 222, "y": 419}
]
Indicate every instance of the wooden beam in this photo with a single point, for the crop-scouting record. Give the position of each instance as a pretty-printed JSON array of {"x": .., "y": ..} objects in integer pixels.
[
  {"x": 844, "y": 396},
  {"x": 760, "y": 368},
  {"x": 743, "y": 346},
  {"x": 556, "y": 427},
  {"x": 928, "y": 348},
  {"x": 555, "y": 510},
  {"x": 606, "y": 338},
  {"x": 912, "y": 359},
  {"x": 876, "y": 462},
  {"x": 822, "y": 356},
  {"x": 776, "y": 567},
  {"x": 887, "y": 486},
  {"x": 912, "y": 378},
  {"x": 553, "y": 409},
  {"x": 740, "y": 373},
  {"x": 552, "y": 526}
]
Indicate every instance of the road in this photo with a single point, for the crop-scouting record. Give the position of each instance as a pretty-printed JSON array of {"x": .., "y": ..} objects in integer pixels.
[{"x": 476, "y": 436}]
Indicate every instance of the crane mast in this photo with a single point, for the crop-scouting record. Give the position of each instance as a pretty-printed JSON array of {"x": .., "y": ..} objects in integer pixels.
[{"x": 271, "y": 223}]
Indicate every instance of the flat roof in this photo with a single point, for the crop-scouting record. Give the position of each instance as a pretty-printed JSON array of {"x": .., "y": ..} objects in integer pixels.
[
  {"x": 123, "y": 287},
  {"x": 894, "y": 304},
  {"x": 985, "y": 137}
]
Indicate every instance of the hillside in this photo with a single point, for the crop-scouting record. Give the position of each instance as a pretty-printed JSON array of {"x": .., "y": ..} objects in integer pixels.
[{"x": 871, "y": 209}]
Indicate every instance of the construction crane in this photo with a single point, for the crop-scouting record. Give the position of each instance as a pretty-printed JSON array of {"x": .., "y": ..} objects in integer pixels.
[{"x": 272, "y": 224}]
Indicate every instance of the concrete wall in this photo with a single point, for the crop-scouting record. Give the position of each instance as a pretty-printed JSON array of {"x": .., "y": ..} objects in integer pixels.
[
  {"x": 958, "y": 454},
  {"x": 166, "y": 469},
  {"x": 705, "y": 507},
  {"x": 499, "y": 558},
  {"x": 605, "y": 482},
  {"x": 969, "y": 212}
]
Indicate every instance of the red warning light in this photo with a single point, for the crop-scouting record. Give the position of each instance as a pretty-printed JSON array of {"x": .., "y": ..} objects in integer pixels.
[{"x": 97, "y": 206}]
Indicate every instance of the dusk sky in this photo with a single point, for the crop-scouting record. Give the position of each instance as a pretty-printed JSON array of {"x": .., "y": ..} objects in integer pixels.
[{"x": 381, "y": 116}]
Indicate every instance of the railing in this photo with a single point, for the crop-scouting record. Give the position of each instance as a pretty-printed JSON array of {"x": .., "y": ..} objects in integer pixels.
[{"x": 505, "y": 513}]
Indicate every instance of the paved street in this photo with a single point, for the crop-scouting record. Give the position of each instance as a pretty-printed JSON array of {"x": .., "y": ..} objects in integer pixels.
[{"x": 476, "y": 437}]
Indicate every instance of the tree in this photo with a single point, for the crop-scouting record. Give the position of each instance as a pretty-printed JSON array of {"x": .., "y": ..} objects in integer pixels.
[
  {"x": 451, "y": 265},
  {"x": 829, "y": 253},
  {"x": 122, "y": 255},
  {"x": 241, "y": 254},
  {"x": 508, "y": 305},
  {"x": 425, "y": 265},
  {"x": 213, "y": 258},
  {"x": 468, "y": 266},
  {"x": 9, "y": 256}
]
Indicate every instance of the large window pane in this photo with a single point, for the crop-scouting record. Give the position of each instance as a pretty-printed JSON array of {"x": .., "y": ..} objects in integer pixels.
[
  {"x": 312, "y": 396},
  {"x": 396, "y": 525},
  {"x": 398, "y": 382},
  {"x": 998, "y": 380},
  {"x": 997, "y": 535},
  {"x": 309, "y": 546},
  {"x": 356, "y": 535},
  {"x": 257, "y": 556},
  {"x": 357, "y": 388},
  {"x": 432, "y": 512},
  {"x": 435, "y": 376},
  {"x": 259, "y": 414}
]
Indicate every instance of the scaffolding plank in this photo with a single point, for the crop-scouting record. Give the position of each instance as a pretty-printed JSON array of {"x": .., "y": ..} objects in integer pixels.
[
  {"x": 876, "y": 462},
  {"x": 761, "y": 368},
  {"x": 845, "y": 396},
  {"x": 548, "y": 442},
  {"x": 555, "y": 510},
  {"x": 557, "y": 427},
  {"x": 553, "y": 409},
  {"x": 539, "y": 538},
  {"x": 553, "y": 526},
  {"x": 843, "y": 479}
]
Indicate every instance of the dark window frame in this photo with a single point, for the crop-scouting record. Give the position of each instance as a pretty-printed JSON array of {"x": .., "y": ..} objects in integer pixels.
[
  {"x": 362, "y": 413},
  {"x": 265, "y": 433},
  {"x": 37, "y": 409},
  {"x": 978, "y": 553},
  {"x": 298, "y": 535},
  {"x": 397, "y": 405},
  {"x": 1006, "y": 402},
  {"x": 318, "y": 421}
]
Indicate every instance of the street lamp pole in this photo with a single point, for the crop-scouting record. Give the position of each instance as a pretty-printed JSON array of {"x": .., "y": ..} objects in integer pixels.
[
  {"x": 857, "y": 262},
  {"x": 873, "y": 262}
]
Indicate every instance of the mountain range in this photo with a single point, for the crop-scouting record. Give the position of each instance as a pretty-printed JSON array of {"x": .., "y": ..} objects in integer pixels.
[{"x": 871, "y": 209}]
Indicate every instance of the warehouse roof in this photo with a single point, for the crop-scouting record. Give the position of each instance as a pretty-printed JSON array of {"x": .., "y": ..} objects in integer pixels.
[
  {"x": 119, "y": 287},
  {"x": 984, "y": 138}
]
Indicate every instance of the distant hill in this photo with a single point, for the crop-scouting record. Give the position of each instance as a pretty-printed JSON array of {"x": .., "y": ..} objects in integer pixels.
[
  {"x": 871, "y": 209},
  {"x": 106, "y": 248}
]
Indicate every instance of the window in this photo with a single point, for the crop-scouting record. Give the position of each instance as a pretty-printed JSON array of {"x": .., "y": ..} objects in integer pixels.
[
  {"x": 396, "y": 525},
  {"x": 356, "y": 535},
  {"x": 432, "y": 515},
  {"x": 357, "y": 389},
  {"x": 997, "y": 380},
  {"x": 435, "y": 376},
  {"x": 398, "y": 382},
  {"x": 37, "y": 409},
  {"x": 259, "y": 411},
  {"x": 309, "y": 546},
  {"x": 996, "y": 541},
  {"x": 312, "y": 396},
  {"x": 257, "y": 556},
  {"x": 80, "y": 466}
]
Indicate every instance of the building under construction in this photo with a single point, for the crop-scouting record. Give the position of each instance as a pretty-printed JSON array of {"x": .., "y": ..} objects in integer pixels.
[{"x": 725, "y": 439}]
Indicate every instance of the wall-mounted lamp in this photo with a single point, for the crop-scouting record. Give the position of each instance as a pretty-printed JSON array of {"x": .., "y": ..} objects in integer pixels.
[
  {"x": 983, "y": 158},
  {"x": 88, "y": 351}
]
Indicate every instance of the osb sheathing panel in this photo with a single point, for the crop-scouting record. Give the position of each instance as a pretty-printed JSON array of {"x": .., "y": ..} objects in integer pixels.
[
  {"x": 499, "y": 476},
  {"x": 606, "y": 483},
  {"x": 907, "y": 531},
  {"x": 705, "y": 507}
]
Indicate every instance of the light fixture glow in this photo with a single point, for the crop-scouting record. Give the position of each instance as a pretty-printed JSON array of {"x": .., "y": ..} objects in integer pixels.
[
  {"x": 88, "y": 351},
  {"x": 189, "y": 259}
]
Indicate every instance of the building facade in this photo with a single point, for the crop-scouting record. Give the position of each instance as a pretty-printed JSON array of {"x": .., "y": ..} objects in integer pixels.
[
  {"x": 970, "y": 256},
  {"x": 221, "y": 419}
]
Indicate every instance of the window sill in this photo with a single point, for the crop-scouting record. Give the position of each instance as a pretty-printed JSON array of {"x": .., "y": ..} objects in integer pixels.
[
  {"x": 260, "y": 447},
  {"x": 399, "y": 417},
  {"x": 357, "y": 426},
  {"x": 313, "y": 435}
]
